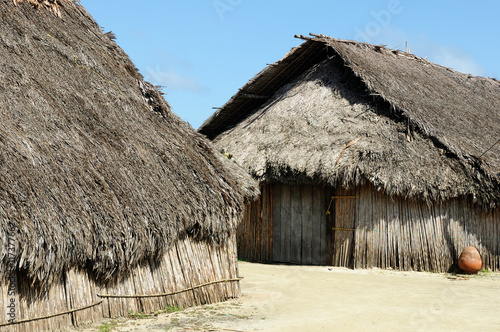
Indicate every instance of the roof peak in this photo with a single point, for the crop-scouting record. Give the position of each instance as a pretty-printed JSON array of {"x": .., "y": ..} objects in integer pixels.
[{"x": 383, "y": 49}]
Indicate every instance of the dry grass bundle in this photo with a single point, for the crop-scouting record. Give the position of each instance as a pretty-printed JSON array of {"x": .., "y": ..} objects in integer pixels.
[{"x": 52, "y": 5}]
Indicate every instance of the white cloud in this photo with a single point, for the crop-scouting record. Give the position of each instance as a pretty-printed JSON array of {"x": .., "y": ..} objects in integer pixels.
[
  {"x": 173, "y": 60},
  {"x": 453, "y": 57},
  {"x": 445, "y": 55},
  {"x": 173, "y": 80}
]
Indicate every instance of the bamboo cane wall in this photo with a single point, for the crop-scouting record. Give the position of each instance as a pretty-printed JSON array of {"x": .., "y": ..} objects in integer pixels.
[
  {"x": 392, "y": 232},
  {"x": 365, "y": 228},
  {"x": 255, "y": 233},
  {"x": 187, "y": 264}
]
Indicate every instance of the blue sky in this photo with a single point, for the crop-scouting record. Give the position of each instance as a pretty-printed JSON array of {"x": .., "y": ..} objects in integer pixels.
[{"x": 203, "y": 51}]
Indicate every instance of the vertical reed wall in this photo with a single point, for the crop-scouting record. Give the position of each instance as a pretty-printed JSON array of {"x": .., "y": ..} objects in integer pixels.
[
  {"x": 187, "y": 264},
  {"x": 255, "y": 232},
  {"x": 365, "y": 228},
  {"x": 393, "y": 232}
]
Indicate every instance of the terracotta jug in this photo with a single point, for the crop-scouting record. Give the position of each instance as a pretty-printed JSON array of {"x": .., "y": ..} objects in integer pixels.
[{"x": 470, "y": 260}]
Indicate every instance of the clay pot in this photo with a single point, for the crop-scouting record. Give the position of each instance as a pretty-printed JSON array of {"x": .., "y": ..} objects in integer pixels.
[{"x": 470, "y": 260}]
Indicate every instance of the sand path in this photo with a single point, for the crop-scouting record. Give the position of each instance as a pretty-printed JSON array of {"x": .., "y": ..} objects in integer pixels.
[{"x": 306, "y": 298}]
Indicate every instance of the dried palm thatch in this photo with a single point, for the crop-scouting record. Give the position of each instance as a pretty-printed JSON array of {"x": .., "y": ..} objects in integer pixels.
[
  {"x": 52, "y": 5},
  {"x": 96, "y": 171},
  {"x": 416, "y": 129}
]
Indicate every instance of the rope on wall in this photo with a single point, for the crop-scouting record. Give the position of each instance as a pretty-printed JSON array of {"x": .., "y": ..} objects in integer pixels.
[
  {"x": 116, "y": 296},
  {"x": 338, "y": 196},
  {"x": 167, "y": 294},
  {"x": 51, "y": 316}
]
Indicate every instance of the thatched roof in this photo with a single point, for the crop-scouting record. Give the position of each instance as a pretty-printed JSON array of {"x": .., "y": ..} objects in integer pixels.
[
  {"x": 425, "y": 131},
  {"x": 96, "y": 171}
]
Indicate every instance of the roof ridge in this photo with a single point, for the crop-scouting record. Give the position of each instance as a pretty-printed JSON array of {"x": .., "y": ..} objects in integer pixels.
[{"x": 408, "y": 55}]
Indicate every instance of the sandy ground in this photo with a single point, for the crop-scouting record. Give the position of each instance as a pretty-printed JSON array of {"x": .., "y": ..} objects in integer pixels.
[{"x": 305, "y": 298}]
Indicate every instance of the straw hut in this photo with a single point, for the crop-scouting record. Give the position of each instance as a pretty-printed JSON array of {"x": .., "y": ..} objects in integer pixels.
[
  {"x": 109, "y": 203},
  {"x": 367, "y": 157}
]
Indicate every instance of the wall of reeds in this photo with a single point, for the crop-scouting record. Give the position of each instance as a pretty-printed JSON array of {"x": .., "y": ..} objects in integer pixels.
[
  {"x": 392, "y": 232},
  {"x": 361, "y": 227},
  {"x": 255, "y": 232},
  {"x": 187, "y": 264}
]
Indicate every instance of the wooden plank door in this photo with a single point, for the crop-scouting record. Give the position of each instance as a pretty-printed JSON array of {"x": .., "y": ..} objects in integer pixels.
[
  {"x": 300, "y": 225},
  {"x": 344, "y": 202}
]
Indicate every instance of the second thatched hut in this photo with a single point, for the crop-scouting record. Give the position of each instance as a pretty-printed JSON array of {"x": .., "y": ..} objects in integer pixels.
[{"x": 367, "y": 157}]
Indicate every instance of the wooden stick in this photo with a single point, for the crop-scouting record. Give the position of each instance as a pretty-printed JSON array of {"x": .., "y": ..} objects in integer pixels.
[
  {"x": 166, "y": 294},
  {"x": 51, "y": 316},
  {"x": 345, "y": 148}
]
